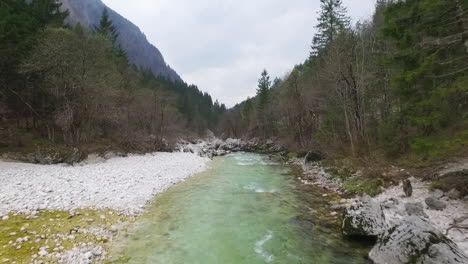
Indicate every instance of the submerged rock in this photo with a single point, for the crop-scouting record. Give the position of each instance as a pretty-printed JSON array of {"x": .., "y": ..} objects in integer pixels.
[
  {"x": 435, "y": 204},
  {"x": 416, "y": 209},
  {"x": 364, "y": 218},
  {"x": 415, "y": 241}
]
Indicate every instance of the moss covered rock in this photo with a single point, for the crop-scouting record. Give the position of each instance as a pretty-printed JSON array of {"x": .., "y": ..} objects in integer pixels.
[{"x": 364, "y": 218}]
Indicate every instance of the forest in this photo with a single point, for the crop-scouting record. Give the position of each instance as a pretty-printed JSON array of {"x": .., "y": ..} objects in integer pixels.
[
  {"x": 74, "y": 87},
  {"x": 395, "y": 86}
]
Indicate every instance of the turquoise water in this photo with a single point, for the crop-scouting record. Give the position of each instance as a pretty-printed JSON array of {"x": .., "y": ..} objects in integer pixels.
[{"x": 245, "y": 209}]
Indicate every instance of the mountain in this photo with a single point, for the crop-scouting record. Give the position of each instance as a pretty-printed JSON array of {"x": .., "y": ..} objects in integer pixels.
[{"x": 139, "y": 50}]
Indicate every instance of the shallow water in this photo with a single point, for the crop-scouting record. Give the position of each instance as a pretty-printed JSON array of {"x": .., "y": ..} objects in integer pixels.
[{"x": 245, "y": 209}]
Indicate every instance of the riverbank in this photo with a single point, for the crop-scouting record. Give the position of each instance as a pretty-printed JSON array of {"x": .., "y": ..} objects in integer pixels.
[
  {"x": 398, "y": 196},
  {"x": 68, "y": 213}
]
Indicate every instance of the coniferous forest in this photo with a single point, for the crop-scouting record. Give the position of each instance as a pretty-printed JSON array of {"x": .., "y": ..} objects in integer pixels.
[
  {"x": 393, "y": 86},
  {"x": 74, "y": 87}
]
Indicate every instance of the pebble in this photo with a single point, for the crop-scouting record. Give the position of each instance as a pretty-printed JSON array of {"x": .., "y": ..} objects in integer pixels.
[
  {"x": 5, "y": 218},
  {"x": 43, "y": 253},
  {"x": 88, "y": 255}
]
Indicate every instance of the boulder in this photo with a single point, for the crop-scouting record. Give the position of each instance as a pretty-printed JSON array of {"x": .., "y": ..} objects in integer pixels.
[
  {"x": 415, "y": 241},
  {"x": 390, "y": 203},
  {"x": 454, "y": 194},
  {"x": 416, "y": 209},
  {"x": 364, "y": 218},
  {"x": 437, "y": 194},
  {"x": 407, "y": 188},
  {"x": 435, "y": 204}
]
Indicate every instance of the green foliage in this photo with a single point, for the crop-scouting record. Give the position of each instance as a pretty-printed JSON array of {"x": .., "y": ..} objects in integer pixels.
[
  {"x": 429, "y": 59},
  {"x": 331, "y": 22},
  {"x": 437, "y": 185},
  {"x": 76, "y": 87},
  {"x": 361, "y": 186},
  {"x": 395, "y": 85},
  {"x": 437, "y": 147},
  {"x": 291, "y": 155},
  {"x": 19, "y": 24},
  {"x": 106, "y": 28},
  {"x": 263, "y": 89}
]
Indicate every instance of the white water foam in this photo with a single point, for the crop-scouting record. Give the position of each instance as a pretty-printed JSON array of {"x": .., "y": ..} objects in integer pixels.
[
  {"x": 254, "y": 187},
  {"x": 259, "y": 247},
  {"x": 246, "y": 163}
]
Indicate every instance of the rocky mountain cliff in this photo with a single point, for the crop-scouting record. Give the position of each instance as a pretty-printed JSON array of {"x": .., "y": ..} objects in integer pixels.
[{"x": 140, "y": 52}]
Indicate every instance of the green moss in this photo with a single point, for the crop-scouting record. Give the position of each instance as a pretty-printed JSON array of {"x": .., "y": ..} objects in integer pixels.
[
  {"x": 361, "y": 186},
  {"x": 120, "y": 260},
  {"x": 437, "y": 185},
  {"x": 342, "y": 173},
  {"x": 291, "y": 155},
  {"x": 49, "y": 224}
]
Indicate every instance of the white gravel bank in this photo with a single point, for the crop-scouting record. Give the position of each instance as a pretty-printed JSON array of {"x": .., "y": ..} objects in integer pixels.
[{"x": 124, "y": 184}]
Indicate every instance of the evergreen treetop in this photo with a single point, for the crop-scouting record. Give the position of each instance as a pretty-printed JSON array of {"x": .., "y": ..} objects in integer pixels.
[
  {"x": 264, "y": 84},
  {"x": 106, "y": 28},
  {"x": 333, "y": 19}
]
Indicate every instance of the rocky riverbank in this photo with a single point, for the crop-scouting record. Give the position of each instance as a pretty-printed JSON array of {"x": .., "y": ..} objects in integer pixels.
[{"x": 411, "y": 221}]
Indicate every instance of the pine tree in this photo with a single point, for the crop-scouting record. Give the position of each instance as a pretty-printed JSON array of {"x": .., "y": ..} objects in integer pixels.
[
  {"x": 106, "y": 28},
  {"x": 264, "y": 84},
  {"x": 333, "y": 20}
]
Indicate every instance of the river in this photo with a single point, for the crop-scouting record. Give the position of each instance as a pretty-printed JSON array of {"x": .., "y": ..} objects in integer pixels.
[{"x": 244, "y": 209}]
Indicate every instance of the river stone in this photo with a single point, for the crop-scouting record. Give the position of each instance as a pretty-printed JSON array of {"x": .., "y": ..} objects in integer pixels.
[
  {"x": 337, "y": 207},
  {"x": 416, "y": 209},
  {"x": 454, "y": 194},
  {"x": 435, "y": 204},
  {"x": 364, "y": 218},
  {"x": 437, "y": 194},
  {"x": 407, "y": 188},
  {"x": 415, "y": 241}
]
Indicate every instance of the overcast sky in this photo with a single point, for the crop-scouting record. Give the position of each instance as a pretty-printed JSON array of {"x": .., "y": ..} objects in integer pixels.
[{"x": 223, "y": 45}]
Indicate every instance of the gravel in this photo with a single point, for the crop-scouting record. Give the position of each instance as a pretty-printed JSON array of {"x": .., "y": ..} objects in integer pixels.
[
  {"x": 441, "y": 220},
  {"x": 125, "y": 184}
]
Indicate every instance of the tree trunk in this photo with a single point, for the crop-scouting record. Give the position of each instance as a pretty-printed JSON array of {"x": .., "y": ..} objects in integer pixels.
[
  {"x": 348, "y": 130},
  {"x": 463, "y": 22}
]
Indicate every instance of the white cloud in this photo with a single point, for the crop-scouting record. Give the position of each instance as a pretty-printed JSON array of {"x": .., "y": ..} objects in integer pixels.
[{"x": 223, "y": 45}]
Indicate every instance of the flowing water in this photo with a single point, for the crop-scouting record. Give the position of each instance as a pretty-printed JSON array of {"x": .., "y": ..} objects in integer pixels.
[{"x": 245, "y": 209}]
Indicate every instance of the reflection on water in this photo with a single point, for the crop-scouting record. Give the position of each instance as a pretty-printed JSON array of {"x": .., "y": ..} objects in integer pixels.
[{"x": 237, "y": 213}]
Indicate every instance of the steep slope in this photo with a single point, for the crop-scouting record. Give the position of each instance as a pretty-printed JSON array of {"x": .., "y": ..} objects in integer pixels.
[{"x": 139, "y": 50}]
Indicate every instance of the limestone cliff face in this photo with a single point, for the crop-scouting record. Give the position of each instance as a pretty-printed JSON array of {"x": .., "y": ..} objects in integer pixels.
[{"x": 140, "y": 52}]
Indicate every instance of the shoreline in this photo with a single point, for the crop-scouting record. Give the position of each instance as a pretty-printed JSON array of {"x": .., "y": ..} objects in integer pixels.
[
  {"x": 451, "y": 221},
  {"x": 69, "y": 213}
]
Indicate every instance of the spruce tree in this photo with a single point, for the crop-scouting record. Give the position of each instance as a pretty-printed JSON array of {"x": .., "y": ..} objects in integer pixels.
[
  {"x": 106, "y": 28},
  {"x": 264, "y": 84},
  {"x": 333, "y": 19}
]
